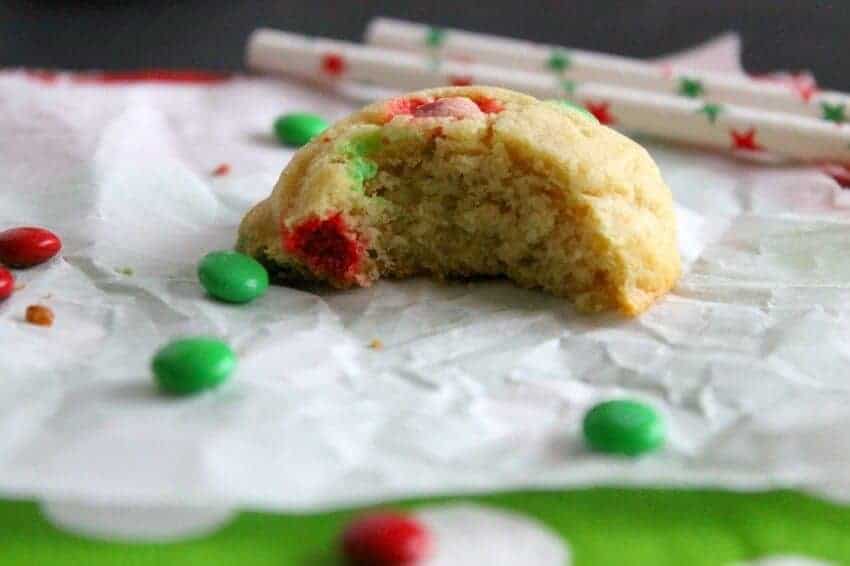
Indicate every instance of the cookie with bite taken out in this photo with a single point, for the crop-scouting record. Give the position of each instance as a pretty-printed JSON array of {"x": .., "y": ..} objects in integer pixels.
[{"x": 470, "y": 181}]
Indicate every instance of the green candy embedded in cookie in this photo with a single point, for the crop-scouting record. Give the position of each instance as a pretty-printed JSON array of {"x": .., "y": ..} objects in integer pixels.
[
  {"x": 572, "y": 106},
  {"x": 360, "y": 168},
  {"x": 365, "y": 145}
]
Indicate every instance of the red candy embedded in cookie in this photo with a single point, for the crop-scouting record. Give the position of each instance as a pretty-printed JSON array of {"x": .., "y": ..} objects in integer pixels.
[
  {"x": 403, "y": 106},
  {"x": 28, "y": 246},
  {"x": 489, "y": 105},
  {"x": 458, "y": 107},
  {"x": 328, "y": 247},
  {"x": 385, "y": 539}
]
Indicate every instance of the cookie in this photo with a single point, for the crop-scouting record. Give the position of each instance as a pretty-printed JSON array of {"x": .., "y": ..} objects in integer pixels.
[{"x": 473, "y": 181}]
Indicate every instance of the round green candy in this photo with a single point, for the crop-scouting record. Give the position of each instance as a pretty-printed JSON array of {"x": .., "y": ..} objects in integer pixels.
[
  {"x": 233, "y": 277},
  {"x": 299, "y": 128},
  {"x": 623, "y": 427},
  {"x": 192, "y": 365}
]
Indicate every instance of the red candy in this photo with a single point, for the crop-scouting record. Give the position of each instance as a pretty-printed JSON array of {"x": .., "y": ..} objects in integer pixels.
[
  {"x": 7, "y": 284},
  {"x": 28, "y": 246},
  {"x": 328, "y": 247},
  {"x": 406, "y": 106},
  {"x": 489, "y": 105},
  {"x": 385, "y": 539},
  {"x": 458, "y": 107},
  {"x": 403, "y": 106}
]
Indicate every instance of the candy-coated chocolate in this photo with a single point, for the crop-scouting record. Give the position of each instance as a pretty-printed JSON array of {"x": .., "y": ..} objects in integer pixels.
[
  {"x": 385, "y": 539},
  {"x": 299, "y": 128},
  {"x": 458, "y": 107},
  {"x": 7, "y": 284},
  {"x": 571, "y": 106},
  {"x": 233, "y": 277},
  {"x": 28, "y": 246},
  {"x": 623, "y": 427},
  {"x": 327, "y": 246},
  {"x": 192, "y": 365}
]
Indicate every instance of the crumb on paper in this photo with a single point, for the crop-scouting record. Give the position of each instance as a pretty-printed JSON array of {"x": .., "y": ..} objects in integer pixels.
[
  {"x": 39, "y": 315},
  {"x": 19, "y": 286},
  {"x": 376, "y": 344},
  {"x": 221, "y": 170},
  {"x": 128, "y": 271}
]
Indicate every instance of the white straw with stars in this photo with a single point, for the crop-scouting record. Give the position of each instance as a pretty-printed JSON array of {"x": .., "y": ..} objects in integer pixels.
[
  {"x": 793, "y": 97},
  {"x": 666, "y": 116}
]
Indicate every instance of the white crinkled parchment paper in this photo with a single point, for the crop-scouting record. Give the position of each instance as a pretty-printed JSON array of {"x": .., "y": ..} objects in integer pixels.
[{"x": 478, "y": 387}]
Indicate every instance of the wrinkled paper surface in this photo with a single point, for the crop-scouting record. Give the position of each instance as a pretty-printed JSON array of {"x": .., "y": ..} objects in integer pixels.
[{"x": 478, "y": 387}]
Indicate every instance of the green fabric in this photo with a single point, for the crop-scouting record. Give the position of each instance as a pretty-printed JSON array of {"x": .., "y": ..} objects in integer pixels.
[{"x": 602, "y": 526}]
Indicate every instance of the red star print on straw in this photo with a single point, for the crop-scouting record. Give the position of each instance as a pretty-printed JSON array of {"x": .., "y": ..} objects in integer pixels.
[
  {"x": 745, "y": 140},
  {"x": 333, "y": 64},
  {"x": 601, "y": 110},
  {"x": 806, "y": 90},
  {"x": 802, "y": 84},
  {"x": 460, "y": 80}
]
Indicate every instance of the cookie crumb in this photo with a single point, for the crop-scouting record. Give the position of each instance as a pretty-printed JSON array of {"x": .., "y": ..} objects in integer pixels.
[
  {"x": 19, "y": 286},
  {"x": 221, "y": 170},
  {"x": 376, "y": 344},
  {"x": 39, "y": 315},
  {"x": 128, "y": 271}
]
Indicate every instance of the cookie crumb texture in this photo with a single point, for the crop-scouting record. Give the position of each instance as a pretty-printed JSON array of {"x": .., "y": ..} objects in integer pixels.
[
  {"x": 39, "y": 315},
  {"x": 470, "y": 181}
]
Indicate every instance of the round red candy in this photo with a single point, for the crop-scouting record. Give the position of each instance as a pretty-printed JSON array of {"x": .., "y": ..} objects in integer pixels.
[
  {"x": 7, "y": 284},
  {"x": 28, "y": 246},
  {"x": 385, "y": 539}
]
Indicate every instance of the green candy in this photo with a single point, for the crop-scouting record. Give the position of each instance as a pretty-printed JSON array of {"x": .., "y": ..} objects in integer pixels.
[
  {"x": 232, "y": 277},
  {"x": 192, "y": 365},
  {"x": 299, "y": 128},
  {"x": 365, "y": 144},
  {"x": 575, "y": 107},
  {"x": 361, "y": 169},
  {"x": 623, "y": 427}
]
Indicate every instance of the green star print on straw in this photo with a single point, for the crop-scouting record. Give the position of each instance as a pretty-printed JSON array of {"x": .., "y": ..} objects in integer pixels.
[
  {"x": 559, "y": 61},
  {"x": 711, "y": 111},
  {"x": 834, "y": 112},
  {"x": 435, "y": 37},
  {"x": 692, "y": 88}
]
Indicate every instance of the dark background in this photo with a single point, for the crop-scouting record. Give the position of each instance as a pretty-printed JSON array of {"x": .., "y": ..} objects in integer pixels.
[{"x": 777, "y": 34}]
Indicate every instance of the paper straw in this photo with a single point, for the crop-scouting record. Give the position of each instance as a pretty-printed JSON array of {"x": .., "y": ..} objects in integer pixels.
[
  {"x": 670, "y": 117},
  {"x": 581, "y": 66}
]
